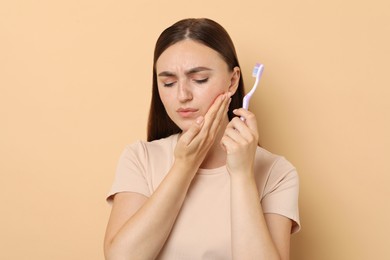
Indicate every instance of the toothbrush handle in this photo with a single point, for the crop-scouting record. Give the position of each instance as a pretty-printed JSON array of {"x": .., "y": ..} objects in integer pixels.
[
  {"x": 245, "y": 105},
  {"x": 245, "y": 102}
]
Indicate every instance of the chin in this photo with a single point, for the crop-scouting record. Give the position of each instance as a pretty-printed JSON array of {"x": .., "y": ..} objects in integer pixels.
[{"x": 184, "y": 126}]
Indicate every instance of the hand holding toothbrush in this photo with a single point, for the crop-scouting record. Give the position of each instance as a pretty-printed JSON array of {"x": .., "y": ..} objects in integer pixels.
[
  {"x": 241, "y": 136},
  {"x": 240, "y": 143}
]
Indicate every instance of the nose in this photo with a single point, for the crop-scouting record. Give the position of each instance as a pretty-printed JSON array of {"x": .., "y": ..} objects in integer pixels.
[{"x": 184, "y": 92}]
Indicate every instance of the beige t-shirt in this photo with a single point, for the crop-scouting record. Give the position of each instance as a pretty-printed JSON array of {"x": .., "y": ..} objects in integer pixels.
[{"x": 202, "y": 228}]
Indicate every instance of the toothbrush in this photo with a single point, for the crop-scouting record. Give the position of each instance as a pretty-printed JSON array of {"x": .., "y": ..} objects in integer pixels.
[{"x": 257, "y": 71}]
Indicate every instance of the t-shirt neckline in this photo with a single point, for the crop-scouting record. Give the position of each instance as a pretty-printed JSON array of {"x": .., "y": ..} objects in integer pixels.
[{"x": 221, "y": 169}]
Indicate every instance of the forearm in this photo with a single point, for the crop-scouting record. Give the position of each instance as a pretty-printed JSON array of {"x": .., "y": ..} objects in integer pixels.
[
  {"x": 145, "y": 233},
  {"x": 250, "y": 236}
]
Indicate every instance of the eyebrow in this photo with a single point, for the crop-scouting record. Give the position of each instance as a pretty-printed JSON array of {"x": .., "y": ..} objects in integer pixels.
[{"x": 189, "y": 72}]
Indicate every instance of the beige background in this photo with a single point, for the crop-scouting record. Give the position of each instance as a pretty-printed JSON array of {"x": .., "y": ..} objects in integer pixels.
[{"x": 75, "y": 82}]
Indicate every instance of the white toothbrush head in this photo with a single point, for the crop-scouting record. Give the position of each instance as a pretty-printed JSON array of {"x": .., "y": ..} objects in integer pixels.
[{"x": 257, "y": 70}]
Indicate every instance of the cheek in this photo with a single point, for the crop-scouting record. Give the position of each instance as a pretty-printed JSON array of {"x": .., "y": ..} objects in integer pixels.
[
  {"x": 209, "y": 97},
  {"x": 212, "y": 93},
  {"x": 165, "y": 98}
]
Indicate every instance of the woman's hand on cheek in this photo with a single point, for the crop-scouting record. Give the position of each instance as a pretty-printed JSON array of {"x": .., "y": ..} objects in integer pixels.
[
  {"x": 240, "y": 142},
  {"x": 193, "y": 145}
]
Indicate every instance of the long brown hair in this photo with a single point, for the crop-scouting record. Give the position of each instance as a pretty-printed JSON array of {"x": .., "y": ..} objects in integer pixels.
[{"x": 212, "y": 35}]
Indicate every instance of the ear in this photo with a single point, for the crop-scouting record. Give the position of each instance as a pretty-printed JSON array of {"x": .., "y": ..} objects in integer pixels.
[{"x": 235, "y": 79}]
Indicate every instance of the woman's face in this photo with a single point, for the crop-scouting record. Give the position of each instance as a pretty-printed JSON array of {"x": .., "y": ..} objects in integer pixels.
[{"x": 190, "y": 76}]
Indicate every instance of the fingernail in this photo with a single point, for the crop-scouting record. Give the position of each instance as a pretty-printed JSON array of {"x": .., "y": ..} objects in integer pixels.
[
  {"x": 223, "y": 97},
  {"x": 199, "y": 120}
]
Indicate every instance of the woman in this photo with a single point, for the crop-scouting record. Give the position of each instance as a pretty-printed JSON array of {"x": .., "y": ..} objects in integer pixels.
[{"x": 200, "y": 188}]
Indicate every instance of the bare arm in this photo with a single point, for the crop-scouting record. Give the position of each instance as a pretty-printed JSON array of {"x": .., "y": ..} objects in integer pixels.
[
  {"x": 254, "y": 235},
  {"x": 131, "y": 231},
  {"x": 140, "y": 233}
]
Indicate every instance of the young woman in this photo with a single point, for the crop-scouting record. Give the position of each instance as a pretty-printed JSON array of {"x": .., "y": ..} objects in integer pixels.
[{"x": 200, "y": 188}]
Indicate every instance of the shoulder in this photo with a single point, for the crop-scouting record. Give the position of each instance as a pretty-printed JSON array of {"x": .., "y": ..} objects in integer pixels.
[
  {"x": 142, "y": 165},
  {"x": 150, "y": 156},
  {"x": 272, "y": 169},
  {"x": 163, "y": 144},
  {"x": 142, "y": 148},
  {"x": 270, "y": 161},
  {"x": 278, "y": 184}
]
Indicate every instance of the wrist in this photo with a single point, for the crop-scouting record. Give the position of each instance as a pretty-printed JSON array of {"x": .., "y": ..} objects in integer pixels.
[
  {"x": 242, "y": 176},
  {"x": 185, "y": 167}
]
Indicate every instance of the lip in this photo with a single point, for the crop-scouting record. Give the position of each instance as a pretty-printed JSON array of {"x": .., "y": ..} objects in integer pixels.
[{"x": 187, "y": 112}]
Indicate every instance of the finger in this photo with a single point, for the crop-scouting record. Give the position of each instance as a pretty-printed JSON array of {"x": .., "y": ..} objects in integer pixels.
[
  {"x": 250, "y": 119},
  {"x": 222, "y": 110},
  {"x": 235, "y": 134},
  {"x": 195, "y": 136},
  {"x": 221, "y": 113},
  {"x": 213, "y": 115},
  {"x": 228, "y": 144},
  {"x": 240, "y": 132},
  {"x": 213, "y": 110},
  {"x": 193, "y": 131}
]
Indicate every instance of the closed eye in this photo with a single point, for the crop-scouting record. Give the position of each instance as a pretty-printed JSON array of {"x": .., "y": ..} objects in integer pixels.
[
  {"x": 169, "y": 84},
  {"x": 201, "y": 81}
]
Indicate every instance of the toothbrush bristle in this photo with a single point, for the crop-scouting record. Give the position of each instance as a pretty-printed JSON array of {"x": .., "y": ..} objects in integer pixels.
[{"x": 256, "y": 69}]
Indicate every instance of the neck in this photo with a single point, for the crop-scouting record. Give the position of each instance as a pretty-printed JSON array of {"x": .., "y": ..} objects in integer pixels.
[{"x": 216, "y": 157}]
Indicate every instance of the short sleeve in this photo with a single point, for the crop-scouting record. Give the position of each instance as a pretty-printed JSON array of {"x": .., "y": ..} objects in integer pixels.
[
  {"x": 130, "y": 172},
  {"x": 281, "y": 192}
]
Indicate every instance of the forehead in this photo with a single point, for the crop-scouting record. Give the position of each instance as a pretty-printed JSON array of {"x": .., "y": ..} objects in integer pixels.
[{"x": 188, "y": 54}]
